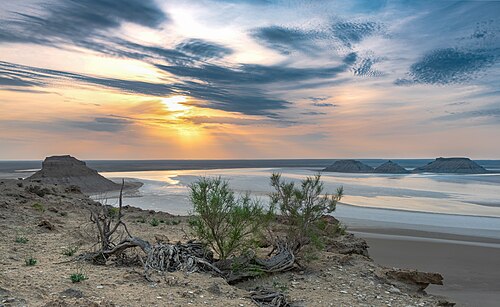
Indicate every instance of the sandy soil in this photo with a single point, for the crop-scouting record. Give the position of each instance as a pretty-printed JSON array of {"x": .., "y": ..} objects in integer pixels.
[{"x": 332, "y": 279}]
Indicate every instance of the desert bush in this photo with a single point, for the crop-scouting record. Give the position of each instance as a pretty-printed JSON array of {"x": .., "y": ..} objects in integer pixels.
[
  {"x": 21, "y": 239},
  {"x": 225, "y": 222},
  {"x": 141, "y": 219},
  {"x": 70, "y": 250},
  {"x": 77, "y": 277},
  {"x": 30, "y": 261},
  {"x": 302, "y": 207},
  {"x": 112, "y": 211},
  {"x": 154, "y": 222},
  {"x": 38, "y": 207}
]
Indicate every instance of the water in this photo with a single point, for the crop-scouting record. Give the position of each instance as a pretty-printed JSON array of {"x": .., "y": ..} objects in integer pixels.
[
  {"x": 456, "y": 204},
  {"x": 449, "y": 203}
]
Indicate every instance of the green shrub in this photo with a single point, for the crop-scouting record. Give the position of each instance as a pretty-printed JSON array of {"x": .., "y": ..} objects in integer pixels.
[
  {"x": 302, "y": 207},
  {"x": 21, "y": 239},
  {"x": 154, "y": 222},
  {"x": 141, "y": 220},
  {"x": 340, "y": 229},
  {"x": 221, "y": 220},
  {"x": 177, "y": 222},
  {"x": 30, "y": 261},
  {"x": 38, "y": 207},
  {"x": 113, "y": 211},
  {"x": 77, "y": 277},
  {"x": 70, "y": 250}
]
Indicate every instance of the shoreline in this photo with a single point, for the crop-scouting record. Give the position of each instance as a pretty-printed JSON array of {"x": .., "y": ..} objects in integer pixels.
[{"x": 470, "y": 271}]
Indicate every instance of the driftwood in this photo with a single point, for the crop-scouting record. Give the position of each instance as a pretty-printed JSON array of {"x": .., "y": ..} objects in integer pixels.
[
  {"x": 189, "y": 257},
  {"x": 269, "y": 298},
  {"x": 247, "y": 265}
]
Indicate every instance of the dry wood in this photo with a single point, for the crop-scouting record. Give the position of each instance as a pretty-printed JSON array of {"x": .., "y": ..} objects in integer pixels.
[{"x": 269, "y": 298}]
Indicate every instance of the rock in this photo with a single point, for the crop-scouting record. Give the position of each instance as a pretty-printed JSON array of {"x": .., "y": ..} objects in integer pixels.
[
  {"x": 348, "y": 244},
  {"x": 414, "y": 279},
  {"x": 215, "y": 289},
  {"x": 349, "y": 166},
  {"x": 390, "y": 167},
  {"x": 71, "y": 172},
  {"x": 4, "y": 292},
  {"x": 393, "y": 289},
  {"x": 452, "y": 165},
  {"x": 47, "y": 225},
  {"x": 70, "y": 292},
  {"x": 161, "y": 238}
]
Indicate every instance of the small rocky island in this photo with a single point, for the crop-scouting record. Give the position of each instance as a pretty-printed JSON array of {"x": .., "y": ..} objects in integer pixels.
[
  {"x": 390, "y": 167},
  {"x": 69, "y": 171},
  {"x": 349, "y": 166},
  {"x": 452, "y": 166},
  {"x": 440, "y": 165}
]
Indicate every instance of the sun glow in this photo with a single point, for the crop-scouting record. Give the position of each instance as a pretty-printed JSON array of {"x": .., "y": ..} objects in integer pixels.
[{"x": 174, "y": 103}]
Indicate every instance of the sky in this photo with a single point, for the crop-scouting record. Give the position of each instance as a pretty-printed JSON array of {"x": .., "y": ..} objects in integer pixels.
[{"x": 255, "y": 79}]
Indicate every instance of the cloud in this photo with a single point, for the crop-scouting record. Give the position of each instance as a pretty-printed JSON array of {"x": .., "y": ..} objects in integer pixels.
[
  {"x": 28, "y": 76},
  {"x": 364, "y": 67},
  {"x": 339, "y": 35},
  {"x": 449, "y": 66},
  {"x": 486, "y": 115},
  {"x": 241, "y": 99},
  {"x": 227, "y": 97},
  {"x": 6, "y": 80},
  {"x": 246, "y": 88},
  {"x": 313, "y": 113},
  {"x": 286, "y": 40},
  {"x": 255, "y": 73},
  {"x": 74, "y": 20},
  {"x": 100, "y": 124},
  {"x": 350, "y": 33},
  {"x": 203, "y": 50},
  {"x": 323, "y": 104},
  {"x": 321, "y": 101}
]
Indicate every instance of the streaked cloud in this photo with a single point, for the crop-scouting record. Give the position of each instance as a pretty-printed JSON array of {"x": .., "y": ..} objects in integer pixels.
[{"x": 286, "y": 78}]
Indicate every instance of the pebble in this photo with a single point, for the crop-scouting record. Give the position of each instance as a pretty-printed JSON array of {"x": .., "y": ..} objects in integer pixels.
[{"x": 393, "y": 289}]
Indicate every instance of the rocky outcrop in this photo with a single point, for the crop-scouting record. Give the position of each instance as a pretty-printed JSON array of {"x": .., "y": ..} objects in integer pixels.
[
  {"x": 348, "y": 244},
  {"x": 69, "y": 171},
  {"x": 453, "y": 166},
  {"x": 411, "y": 279},
  {"x": 390, "y": 167},
  {"x": 349, "y": 166}
]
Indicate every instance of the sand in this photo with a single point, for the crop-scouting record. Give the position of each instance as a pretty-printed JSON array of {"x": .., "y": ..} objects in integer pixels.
[{"x": 470, "y": 265}]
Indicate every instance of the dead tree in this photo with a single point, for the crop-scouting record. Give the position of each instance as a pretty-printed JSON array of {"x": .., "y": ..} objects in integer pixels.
[{"x": 107, "y": 222}]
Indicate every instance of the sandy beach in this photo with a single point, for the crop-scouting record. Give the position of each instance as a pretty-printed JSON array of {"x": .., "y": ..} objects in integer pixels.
[{"x": 470, "y": 265}]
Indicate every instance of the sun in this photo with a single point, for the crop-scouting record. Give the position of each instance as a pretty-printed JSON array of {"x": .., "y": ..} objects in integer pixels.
[{"x": 174, "y": 103}]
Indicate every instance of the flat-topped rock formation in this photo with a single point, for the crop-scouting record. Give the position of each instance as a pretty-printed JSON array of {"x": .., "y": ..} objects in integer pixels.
[
  {"x": 67, "y": 170},
  {"x": 349, "y": 166},
  {"x": 453, "y": 166},
  {"x": 390, "y": 167}
]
